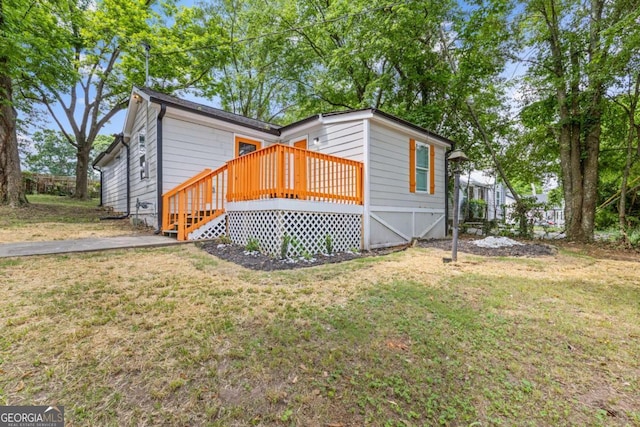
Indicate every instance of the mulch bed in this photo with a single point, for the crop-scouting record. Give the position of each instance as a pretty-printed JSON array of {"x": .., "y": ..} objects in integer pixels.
[
  {"x": 258, "y": 261},
  {"x": 466, "y": 245}
]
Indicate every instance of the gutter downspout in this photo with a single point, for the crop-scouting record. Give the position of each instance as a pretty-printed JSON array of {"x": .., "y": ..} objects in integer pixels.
[
  {"x": 163, "y": 110},
  {"x": 446, "y": 189},
  {"x": 128, "y": 178}
]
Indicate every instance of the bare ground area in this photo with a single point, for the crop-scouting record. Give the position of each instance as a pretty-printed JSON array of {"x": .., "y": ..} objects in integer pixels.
[{"x": 48, "y": 218}]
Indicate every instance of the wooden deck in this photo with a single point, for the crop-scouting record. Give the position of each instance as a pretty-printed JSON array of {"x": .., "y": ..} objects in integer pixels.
[{"x": 278, "y": 171}]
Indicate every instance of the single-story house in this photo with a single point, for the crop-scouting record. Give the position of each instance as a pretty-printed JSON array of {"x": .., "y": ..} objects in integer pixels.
[{"x": 358, "y": 179}]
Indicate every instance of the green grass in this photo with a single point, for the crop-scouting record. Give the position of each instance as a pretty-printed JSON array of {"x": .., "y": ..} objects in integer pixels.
[
  {"x": 47, "y": 208},
  {"x": 49, "y": 217},
  {"x": 172, "y": 336}
]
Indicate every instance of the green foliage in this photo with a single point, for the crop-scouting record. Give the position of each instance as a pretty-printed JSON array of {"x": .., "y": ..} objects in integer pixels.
[
  {"x": 96, "y": 55},
  {"x": 477, "y": 208},
  {"x": 284, "y": 247},
  {"x": 489, "y": 227},
  {"x": 253, "y": 245},
  {"x": 328, "y": 244},
  {"x": 52, "y": 154},
  {"x": 224, "y": 239},
  {"x": 526, "y": 213},
  {"x": 633, "y": 237},
  {"x": 606, "y": 219},
  {"x": 344, "y": 55},
  {"x": 566, "y": 116}
]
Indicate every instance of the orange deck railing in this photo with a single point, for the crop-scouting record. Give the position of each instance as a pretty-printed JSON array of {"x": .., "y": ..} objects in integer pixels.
[
  {"x": 281, "y": 171},
  {"x": 194, "y": 202},
  {"x": 278, "y": 171}
]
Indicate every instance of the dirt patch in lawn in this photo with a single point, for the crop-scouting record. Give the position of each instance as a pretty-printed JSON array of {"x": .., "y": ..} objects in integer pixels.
[{"x": 48, "y": 218}]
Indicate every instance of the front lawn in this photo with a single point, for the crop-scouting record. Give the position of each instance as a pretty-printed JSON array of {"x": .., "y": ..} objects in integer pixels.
[
  {"x": 48, "y": 217},
  {"x": 174, "y": 336}
]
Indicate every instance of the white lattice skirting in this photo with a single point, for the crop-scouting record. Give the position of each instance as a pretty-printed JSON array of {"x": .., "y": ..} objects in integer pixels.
[
  {"x": 307, "y": 231},
  {"x": 215, "y": 228}
]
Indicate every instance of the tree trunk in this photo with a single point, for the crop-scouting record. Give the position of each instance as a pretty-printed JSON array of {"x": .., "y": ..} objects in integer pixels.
[
  {"x": 11, "y": 192},
  {"x": 82, "y": 170},
  {"x": 590, "y": 173},
  {"x": 580, "y": 112},
  {"x": 631, "y": 135}
]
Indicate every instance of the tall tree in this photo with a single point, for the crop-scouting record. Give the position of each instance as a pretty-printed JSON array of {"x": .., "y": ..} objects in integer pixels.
[
  {"x": 100, "y": 35},
  {"x": 252, "y": 79},
  {"x": 109, "y": 42},
  {"x": 30, "y": 37},
  {"x": 10, "y": 177},
  {"x": 579, "y": 47},
  {"x": 29, "y": 33},
  {"x": 11, "y": 192},
  {"x": 50, "y": 153}
]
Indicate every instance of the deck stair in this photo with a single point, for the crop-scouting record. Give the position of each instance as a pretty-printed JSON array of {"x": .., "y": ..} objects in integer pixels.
[{"x": 194, "y": 203}]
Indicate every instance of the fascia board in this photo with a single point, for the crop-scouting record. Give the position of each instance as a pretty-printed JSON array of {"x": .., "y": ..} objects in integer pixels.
[
  {"x": 426, "y": 136},
  {"x": 303, "y": 127},
  {"x": 181, "y": 114}
]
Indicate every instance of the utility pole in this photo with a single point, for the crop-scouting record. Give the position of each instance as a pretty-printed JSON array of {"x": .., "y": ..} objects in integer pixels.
[{"x": 147, "y": 48}]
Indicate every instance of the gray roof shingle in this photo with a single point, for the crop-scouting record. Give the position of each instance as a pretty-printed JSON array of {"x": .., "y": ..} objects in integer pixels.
[{"x": 210, "y": 111}]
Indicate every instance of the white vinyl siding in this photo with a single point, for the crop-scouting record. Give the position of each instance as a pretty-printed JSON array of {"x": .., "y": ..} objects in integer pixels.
[
  {"x": 114, "y": 182},
  {"x": 389, "y": 171},
  {"x": 344, "y": 140},
  {"x": 190, "y": 147},
  {"x": 143, "y": 190}
]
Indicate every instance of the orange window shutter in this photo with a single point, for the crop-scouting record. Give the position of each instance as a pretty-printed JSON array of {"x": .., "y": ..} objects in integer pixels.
[
  {"x": 412, "y": 165},
  {"x": 432, "y": 170}
]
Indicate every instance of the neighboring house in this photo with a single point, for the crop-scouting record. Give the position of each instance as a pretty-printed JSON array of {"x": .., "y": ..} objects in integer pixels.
[
  {"x": 345, "y": 180},
  {"x": 482, "y": 197},
  {"x": 551, "y": 215}
]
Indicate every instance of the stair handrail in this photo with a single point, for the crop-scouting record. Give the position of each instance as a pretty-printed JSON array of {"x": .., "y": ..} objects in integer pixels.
[
  {"x": 188, "y": 182},
  {"x": 194, "y": 198}
]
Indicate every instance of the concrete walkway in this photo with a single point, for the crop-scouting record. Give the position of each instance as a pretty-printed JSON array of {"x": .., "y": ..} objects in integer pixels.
[{"x": 83, "y": 245}]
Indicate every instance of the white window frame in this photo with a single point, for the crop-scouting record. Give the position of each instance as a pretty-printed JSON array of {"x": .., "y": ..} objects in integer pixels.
[{"x": 420, "y": 169}]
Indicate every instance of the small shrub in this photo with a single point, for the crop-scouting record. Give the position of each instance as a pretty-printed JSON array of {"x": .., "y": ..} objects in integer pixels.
[
  {"x": 296, "y": 247},
  {"x": 224, "y": 239},
  {"x": 252, "y": 245},
  {"x": 526, "y": 212},
  {"x": 489, "y": 226},
  {"x": 477, "y": 208},
  {"x": 328, "y": 244},
  {"x": 606, "y": 219},
  {"x": 634, "y": 237},
  {"x": 284, "y": 248}
]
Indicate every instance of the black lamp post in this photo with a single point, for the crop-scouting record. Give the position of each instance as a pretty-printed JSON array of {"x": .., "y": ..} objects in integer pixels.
[{"x": 456, "y": 158}]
